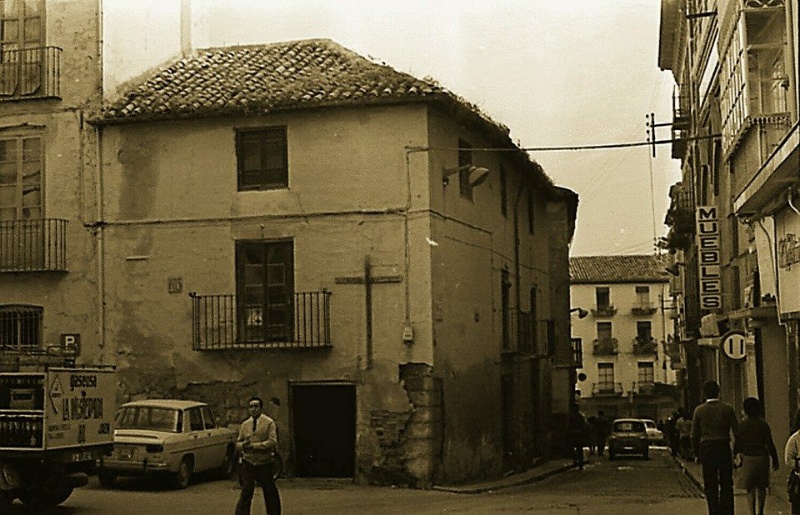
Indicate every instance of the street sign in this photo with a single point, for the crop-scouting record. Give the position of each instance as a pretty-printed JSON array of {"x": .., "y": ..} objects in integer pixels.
[{"x": 733, "y": 345}]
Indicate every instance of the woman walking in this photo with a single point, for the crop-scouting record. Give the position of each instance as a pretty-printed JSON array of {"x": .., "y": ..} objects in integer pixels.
[
  {"x": 792, "y": 458},
  {"x": 755, "y": 445}
]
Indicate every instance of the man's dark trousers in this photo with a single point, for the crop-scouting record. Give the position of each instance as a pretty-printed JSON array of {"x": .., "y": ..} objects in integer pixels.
[
  {"x": 717, "y": 461},
  {"x": 262, "y": 474}
]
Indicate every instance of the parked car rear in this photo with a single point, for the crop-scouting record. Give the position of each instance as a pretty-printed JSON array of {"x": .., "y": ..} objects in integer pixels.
[
  {"x": 170, "y": 437},
  {"x": 654, "y": 434},
  {"x": 628, "y": 436}
]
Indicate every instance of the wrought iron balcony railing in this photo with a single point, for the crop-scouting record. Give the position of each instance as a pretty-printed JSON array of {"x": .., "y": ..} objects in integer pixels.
[
  {"x": 643, "y": 388},
  {"x": 30, "y": 73},
  {"x": 607, "y": 388},
  {"x": 645, "y": 345},
  {"x": 220, "y": 322},
  {"x": 605, "y": 347},
  {"x": 33, "y": 245},
  {"x": 604, "y": 311},
  {"x": 643, "y": 309}
]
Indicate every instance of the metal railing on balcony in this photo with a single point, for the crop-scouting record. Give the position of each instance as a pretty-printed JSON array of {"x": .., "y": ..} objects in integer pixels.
[
  {"x": 30, "y": 73},
  {"x": 33, "y": 245},
  {"x": 220, "y": 322},
  {"x": 643, "y": 309},
  {"x": 645, "y": 345},
  {"x": 604, "y": 311},
  {"x": 607, "y": 388},
  {"x": 643, "y": 388},
  {"x": 605, "y": 346}
]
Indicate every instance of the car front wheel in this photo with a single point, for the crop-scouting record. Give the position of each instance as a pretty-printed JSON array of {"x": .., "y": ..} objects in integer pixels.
[{"x": 106, "y": 479}]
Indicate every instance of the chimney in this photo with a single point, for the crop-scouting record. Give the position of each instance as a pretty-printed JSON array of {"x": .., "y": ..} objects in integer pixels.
[{"x": 186, "y": 27}]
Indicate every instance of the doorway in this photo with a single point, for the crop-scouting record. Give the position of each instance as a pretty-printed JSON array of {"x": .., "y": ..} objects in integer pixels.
[{"x": 324, "y": 427}]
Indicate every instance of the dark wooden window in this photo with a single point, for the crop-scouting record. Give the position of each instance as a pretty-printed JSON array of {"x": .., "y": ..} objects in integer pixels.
[
  {"x": 503, "y": 191},
  {"x": 644, "y": 331},
  {"x": 265, "y": 290},
  {"x": 531, "y": 201},
  {"x": 21, "y": 34},
  {"x": 262, "y": 159},
  {"x": 464, "y": 159},
  {"x": 20, "y": 177},
  {"x": 605, "y": 375},
  {"x": 603, "y": 330},
  {"x": 603, "y": 297},
  {"x": 645, "y": 372}
]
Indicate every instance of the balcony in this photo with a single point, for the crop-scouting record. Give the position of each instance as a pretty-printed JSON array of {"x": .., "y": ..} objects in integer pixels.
[
  {"x": 219, "y": 322},
  {"x": 30, "y": 73},
  {"x": 643, "y": 309},
  {"x": 608, "y": 389},
  {"x": 33, "y": 245},
  {"x": 604, "y": 311},
  {"x": 644, "y": 388},
  {"x": 645, "y": 345},
  {"x": 605, "y": 347}
]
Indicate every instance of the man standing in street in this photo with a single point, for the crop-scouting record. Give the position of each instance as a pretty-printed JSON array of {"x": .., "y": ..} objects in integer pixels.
[
  {"x": 258, "y": 440},
  {"x": 712, "y": 425}
]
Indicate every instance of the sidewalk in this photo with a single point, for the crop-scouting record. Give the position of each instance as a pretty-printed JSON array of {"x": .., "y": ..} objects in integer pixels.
[
  {"x": 537, "y": 473},
  {"x": 776, "y": 497}
]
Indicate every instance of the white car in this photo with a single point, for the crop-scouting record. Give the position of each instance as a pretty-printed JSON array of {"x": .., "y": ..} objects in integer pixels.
[
  {"x": 654, "y": 434},
  {"x": 170, "y": 437}
]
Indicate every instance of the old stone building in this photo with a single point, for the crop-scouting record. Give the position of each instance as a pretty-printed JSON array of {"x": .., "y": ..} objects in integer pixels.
[{"x": 298, "y": 221}]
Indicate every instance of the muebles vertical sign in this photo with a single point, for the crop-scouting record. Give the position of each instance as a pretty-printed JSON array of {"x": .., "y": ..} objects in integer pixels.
[{"x": 708, "y": 258}]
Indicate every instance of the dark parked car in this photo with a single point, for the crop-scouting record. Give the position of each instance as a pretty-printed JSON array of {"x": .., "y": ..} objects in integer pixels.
[{"x": 628, "y": 436}]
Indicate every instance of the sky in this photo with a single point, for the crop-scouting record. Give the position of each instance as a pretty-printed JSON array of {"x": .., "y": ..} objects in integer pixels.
[{"x": 571, "y": 73}]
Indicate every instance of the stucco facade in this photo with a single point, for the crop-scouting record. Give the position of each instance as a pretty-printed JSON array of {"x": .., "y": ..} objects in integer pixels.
[
  {"x": 446, "y": 364},
  {"x": 48, "y": 245},
  {"x": 626, "y": 368}
]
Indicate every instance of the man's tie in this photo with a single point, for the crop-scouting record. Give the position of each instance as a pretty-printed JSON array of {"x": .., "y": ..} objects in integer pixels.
[{"x": 255, "y": 424}]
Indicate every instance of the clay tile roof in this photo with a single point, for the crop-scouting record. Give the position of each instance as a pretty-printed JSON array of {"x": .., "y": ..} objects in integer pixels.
[
  {"x": 617, "y": 269},
  {"x": 274, "y": 77}
]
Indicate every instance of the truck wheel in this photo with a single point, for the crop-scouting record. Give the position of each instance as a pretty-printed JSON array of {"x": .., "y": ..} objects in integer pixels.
[
  {"x": 184, "y": 474},
  {"x": 107, "y": 479},
  {"x": 44, "y": 498}
]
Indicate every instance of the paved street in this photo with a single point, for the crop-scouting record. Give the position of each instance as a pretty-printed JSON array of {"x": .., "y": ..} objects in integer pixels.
[{"x": 627, "y": 485}]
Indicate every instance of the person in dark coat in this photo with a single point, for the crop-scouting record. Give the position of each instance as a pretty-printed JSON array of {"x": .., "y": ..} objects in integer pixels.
[
  {"x": 671, "y": 433},
  {"x": 578, "y": 434},
  {"x": 755, "y": 445},
  {"x": 602, "y": 430},
  {"x": 712, "y": 423}
]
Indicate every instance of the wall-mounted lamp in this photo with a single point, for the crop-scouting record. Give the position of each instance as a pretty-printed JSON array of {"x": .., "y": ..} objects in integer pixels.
[
  {"x": 582, "y": 313},
  {"x": 673, "y": 268},
  {"x": 477, "y": 174}
]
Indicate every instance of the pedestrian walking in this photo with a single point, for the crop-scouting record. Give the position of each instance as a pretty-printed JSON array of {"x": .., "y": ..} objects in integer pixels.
[
  {"x": 671, "y": 432},
  {"x": 791, "y": 456},
  {"x": 755, "y": 445},
  {"x": 685, "y": 434},
  {"x": 712, "y": 424},
  {"x": 258, "y": 440},
  {"x": 602, "y": 432},
  {"x": 578, "y": 434}
]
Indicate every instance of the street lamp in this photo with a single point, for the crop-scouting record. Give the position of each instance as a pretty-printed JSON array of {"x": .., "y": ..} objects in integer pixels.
[
  {"x": 477, "y": 174},
  {"x": 582, "y": 313},
  {"x": 673, "y": 268}
]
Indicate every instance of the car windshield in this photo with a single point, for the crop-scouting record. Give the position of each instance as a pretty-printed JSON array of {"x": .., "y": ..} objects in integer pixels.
[
  {"x": 629, "y": 426},
  {"x": 650, "y": 424},
  {"x": 148, "y": 417}
]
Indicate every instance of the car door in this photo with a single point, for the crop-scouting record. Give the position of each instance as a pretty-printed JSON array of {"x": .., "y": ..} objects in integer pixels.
[
  {"x": 216, "y": 442},
  {"x": 198, "y": 439}
]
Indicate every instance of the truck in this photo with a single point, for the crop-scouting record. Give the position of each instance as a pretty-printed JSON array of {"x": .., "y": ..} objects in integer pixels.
[{"x": 56, "y": 422}]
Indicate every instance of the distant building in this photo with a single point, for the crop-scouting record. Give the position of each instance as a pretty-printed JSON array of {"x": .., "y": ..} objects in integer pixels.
[
  {"x": 624, "y": 337},
  {"x": 298, "y": 221}
]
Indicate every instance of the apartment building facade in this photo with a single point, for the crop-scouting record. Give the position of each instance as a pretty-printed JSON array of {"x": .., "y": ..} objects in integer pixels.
[
  {"x": 50, "y": 80},
  {"x": 627, "y": 363},
  {"x": 734, "y": 129}
]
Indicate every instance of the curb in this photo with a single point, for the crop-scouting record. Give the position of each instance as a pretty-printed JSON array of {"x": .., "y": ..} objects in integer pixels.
[
  {"x": 688, "y": 474},
  {"x": 507, "y": 483}
]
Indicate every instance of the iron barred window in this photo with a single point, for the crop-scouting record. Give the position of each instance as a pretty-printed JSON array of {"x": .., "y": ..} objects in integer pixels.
[{"x": 21, "y": 327}]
